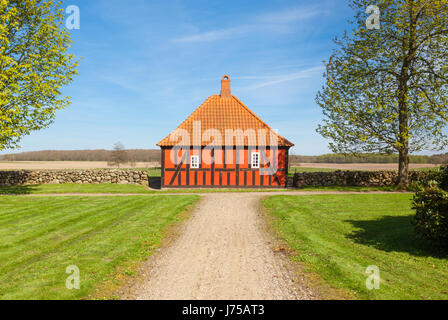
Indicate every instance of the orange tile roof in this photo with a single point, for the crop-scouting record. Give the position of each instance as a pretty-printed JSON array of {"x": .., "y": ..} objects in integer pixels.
[{"x": 219, "y": 114}]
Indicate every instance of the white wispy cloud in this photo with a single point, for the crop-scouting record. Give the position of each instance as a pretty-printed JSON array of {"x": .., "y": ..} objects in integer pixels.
[
  {"x": 122, "y": 83},
  {"x": 274, "y": 80},
  {"x": 272, "y": 21},
  {"x": 218, "y": 34}
]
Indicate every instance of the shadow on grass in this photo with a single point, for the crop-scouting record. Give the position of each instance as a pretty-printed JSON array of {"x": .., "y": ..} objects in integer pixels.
[
  {"x": 11, "y": 190},
  {"x": 392, "y": 233}
]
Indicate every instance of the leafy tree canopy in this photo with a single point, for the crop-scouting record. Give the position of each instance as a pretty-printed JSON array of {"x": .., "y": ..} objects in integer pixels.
[
  {"x": 34, "y": 66},
  {"x": 387, "y": 90}
]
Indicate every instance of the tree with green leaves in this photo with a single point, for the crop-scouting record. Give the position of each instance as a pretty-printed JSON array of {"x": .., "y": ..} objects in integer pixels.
[
  {"x": 386, "y": 89},
  {"x": 34, "y": 66}
]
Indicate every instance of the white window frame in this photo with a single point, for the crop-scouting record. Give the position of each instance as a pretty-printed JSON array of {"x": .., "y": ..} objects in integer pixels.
[
  {"x": 194, "y": 164},
  {"x": 255, "y": 164}
]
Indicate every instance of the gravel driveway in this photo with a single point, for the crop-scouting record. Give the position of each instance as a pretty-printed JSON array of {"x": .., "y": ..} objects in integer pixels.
[{"x": 222, "y": 252}]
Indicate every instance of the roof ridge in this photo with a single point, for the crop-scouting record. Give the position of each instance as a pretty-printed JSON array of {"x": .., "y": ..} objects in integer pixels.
[
  {"x": 258, "y": 118},
  {"x": 189, "y": 116}
]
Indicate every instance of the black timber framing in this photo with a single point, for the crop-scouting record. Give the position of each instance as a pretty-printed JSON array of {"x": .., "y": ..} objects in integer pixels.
[
  {"x": 213, "y": 167},
  {"x": 287, "y": 167},
  {"x": 162, "y": 168},
  {"x": 237, "y": 165},
  {"x": 177, "y": 170},
  {"x": 217, "y": 170},
  {"x": 264, "y": 158},
  {"x": 238, "y": 170}
]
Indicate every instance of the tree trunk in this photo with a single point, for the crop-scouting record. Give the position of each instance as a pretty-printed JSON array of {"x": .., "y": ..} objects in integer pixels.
[
  {"x": 403, "y": 117},
  {"x": 403, "y": 168}
]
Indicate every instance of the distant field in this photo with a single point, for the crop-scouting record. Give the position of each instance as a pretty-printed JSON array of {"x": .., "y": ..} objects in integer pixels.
[
  {"x": 362, "y": 166},
  {"x": 302, "y": 167},
  {"x": 294, "y": 169},
  {"x": 42, "y": 165}
]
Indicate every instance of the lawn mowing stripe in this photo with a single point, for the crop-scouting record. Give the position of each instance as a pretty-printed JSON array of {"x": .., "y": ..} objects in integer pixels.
[
  {"x": 131, "y": 233},
  {"x": 338, "y": 236},
  {"x": 59, "y": 218},
  {"x": 66, "y": 226}
]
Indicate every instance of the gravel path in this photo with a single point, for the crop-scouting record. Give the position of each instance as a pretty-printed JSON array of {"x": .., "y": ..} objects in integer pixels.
[{"x": 222, "y": 252}]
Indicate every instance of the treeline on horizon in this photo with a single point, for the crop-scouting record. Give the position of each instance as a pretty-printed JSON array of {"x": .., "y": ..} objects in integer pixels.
[
  {"x": 135, "y": 155},
  {"x": 367, "y": 158},
  {"x": 153, "y": 155}
]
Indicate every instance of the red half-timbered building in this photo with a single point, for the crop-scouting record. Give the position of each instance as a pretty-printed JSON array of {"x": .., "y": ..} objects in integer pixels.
[{"x": 224, "y": 144}]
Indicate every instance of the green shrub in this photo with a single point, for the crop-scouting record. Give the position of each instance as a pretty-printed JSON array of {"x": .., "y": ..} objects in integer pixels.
[
  {"x": 415, "y": 185},
  {"x": 431, "y": 218},
  {"x": 430, "y": 176}
]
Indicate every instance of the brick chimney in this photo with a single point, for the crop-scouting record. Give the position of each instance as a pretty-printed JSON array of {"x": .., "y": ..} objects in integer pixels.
[{"x": 225, "y": 87}]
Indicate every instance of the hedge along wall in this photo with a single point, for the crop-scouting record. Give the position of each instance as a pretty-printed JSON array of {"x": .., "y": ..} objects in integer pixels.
[
  {"x": 33, "y": 177},
  {"x": 353, "y": 178}
]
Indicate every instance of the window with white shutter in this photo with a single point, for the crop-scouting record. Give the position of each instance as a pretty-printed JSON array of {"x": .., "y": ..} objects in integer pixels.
[
  {"x": 255, "y": 160},
  {"x": 194, "y": 163}
]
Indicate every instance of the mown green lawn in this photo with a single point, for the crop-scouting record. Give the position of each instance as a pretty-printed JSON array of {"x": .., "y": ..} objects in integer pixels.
[
  {"x": 111, "y": 189},
  {"x": 103, "y": 237},
  {"x": 75, "y": 188},
  {"x": 339, "y": 236},
  {"x": 138, "y": 189},
  {"x": 350, "y": 188}
]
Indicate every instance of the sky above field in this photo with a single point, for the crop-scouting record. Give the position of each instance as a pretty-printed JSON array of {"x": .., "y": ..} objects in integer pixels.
[{"x": 148, "y": 64}]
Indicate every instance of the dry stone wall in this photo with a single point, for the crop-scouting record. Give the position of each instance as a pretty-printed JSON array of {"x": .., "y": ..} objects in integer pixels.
[
  {"x": 33, "y": 177},
  {"x": 351, "y": 178},
  {"x": 318, "y": 179}
]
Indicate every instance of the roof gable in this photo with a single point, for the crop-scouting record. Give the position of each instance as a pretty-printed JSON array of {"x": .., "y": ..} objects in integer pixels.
[{"x": 224, "y": 115}]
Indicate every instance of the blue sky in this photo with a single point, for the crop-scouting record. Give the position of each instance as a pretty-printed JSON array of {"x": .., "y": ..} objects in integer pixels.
[{"x": 148, "y": 64}]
